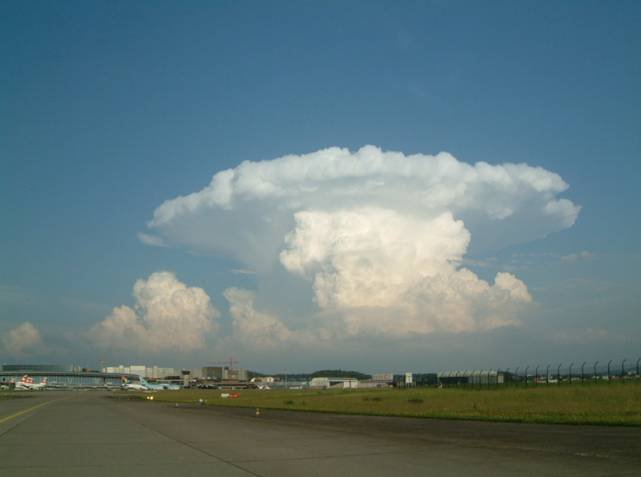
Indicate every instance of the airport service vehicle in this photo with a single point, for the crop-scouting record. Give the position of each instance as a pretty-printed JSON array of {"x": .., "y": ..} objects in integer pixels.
[{"x": 26, "y": 384}]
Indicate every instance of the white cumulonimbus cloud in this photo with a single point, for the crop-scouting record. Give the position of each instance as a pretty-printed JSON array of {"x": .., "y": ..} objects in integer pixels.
[
  {"x": 23, "y": 339},
  {"x": 393, "y": 274},
  {"x": 380, "y": 235},
  {"x": 251, "y": 325},
  {"x": 168, "y": 315}
]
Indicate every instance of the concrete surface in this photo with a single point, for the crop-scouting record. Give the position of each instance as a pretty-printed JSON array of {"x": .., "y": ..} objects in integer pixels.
[{"x": 87, "y": 433}]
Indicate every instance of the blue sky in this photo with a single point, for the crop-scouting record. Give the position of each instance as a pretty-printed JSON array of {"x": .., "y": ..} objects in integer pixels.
[{"x": 108, "y": 109}]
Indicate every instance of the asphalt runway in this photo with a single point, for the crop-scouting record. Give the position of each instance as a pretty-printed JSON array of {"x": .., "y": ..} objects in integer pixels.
[{"x": 89, "y": 434}]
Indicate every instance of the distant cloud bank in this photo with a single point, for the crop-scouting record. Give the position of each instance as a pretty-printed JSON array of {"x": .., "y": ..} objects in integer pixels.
[
  {"x": 578, "y": 257},
  {"x": 21, "y": 340},
  {"x": 251, "y": 325},
  {"x": 380, "y": 236}
]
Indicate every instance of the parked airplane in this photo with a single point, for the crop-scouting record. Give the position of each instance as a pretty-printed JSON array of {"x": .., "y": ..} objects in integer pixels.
[
  {"x": 132, "y": 386},
  {"x": 26, "y": 384},
  {"x": 144, "y": 385},
  {"x": 160, "y": 386}
]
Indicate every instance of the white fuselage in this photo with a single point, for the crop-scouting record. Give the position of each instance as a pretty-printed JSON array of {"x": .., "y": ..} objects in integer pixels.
[
  {"x": 160, "y": 387},
  {"x": 134, "y": 387},
  {"x": 26, "y": 384},
  {"x": 143, "y": 385}
]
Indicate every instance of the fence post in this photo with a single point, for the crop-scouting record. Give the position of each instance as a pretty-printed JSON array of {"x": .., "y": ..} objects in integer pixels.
[
  {"x": 582, "y": 373},
  {"x": 638, "y": 361},
  {"x": 526, "y": 368},
  {"x": 547, "y": 375},
  {"x": 536, "y": 375},
  {"x": 594, "y": 376},
  {"x": 623, "y": 370},
  {"x": 609, "y": 363},
  {"x": 570, "y": 372},
  {"x": 516, "y": 374},
  {"x": 558, "y": 374}
]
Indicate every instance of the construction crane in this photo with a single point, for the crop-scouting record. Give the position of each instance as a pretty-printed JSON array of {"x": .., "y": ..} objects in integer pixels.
[{"x": 229, "y": 364}]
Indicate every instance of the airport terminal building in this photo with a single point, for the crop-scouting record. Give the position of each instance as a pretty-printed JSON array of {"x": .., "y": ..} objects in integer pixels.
[{"x": 61, "y": 376}]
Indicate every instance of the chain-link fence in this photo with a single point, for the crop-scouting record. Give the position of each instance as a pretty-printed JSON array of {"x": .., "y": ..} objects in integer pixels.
[{"x": 611, "y": 371}]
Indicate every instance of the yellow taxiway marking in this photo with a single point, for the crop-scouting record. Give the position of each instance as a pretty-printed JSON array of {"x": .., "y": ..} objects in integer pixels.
[{"x": 20, "y": 413}]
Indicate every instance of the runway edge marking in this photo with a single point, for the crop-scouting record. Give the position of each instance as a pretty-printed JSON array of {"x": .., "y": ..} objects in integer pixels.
[{"x": 20, "y": 413}]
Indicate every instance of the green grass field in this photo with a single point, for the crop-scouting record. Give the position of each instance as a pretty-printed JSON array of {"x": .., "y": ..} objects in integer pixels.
[{"x": 614, "y": 404}]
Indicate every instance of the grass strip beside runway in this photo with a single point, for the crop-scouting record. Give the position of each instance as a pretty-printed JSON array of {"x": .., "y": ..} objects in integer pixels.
[{"x": 615, "y": 404}]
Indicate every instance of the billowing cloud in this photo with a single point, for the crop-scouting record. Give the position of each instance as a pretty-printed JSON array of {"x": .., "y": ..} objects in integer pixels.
[
  {"x": 252, "y": 326},
  {"x": 397, "y": 275},
  {"x": 23, "y": 339},
  {"x": 168, "y": 315},
  {"x": 380, "y": 235}
]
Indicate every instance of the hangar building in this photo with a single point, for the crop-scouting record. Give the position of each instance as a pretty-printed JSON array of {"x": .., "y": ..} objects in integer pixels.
[{"x": 60, "y": 376}]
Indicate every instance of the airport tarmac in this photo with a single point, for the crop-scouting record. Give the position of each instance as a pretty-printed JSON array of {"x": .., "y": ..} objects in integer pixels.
[{"x": 87, "y": 433}]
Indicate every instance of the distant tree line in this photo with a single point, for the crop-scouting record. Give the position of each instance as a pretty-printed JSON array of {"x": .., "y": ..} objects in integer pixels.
[
  {"x": 324, "y": 373},
  {"x": 339, "y": 373}
]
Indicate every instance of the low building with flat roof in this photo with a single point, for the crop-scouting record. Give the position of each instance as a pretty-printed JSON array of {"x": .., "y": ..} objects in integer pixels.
[
  {"x": 326, "y": 383},
  {"x": 148, "y": 372},
  {"x": 473, "y": 377},
  {"x": 62, "y": 376}
]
